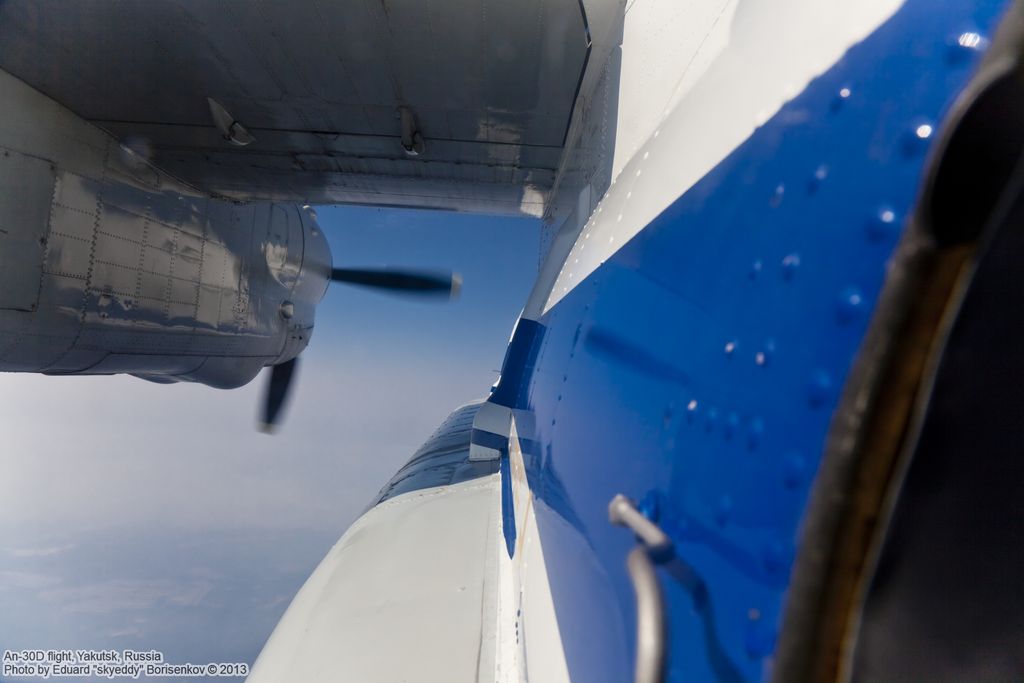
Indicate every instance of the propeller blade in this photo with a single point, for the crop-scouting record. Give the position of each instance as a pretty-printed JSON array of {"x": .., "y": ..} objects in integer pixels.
[
  {"x": 430, "y": 284},
  {"x": 281, "y": 377}
]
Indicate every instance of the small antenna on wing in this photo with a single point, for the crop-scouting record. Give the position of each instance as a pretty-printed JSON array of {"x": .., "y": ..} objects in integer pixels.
[
  {"x": 412, "y": 138},
  {"x": 229, "y": 128}
]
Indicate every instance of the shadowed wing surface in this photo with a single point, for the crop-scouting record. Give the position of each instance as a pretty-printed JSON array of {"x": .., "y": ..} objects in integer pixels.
[{"x": 318, "y": 85}]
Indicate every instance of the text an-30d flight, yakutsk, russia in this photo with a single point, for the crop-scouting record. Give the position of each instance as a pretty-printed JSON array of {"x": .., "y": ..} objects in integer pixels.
[{"x": 762, "y": 415}]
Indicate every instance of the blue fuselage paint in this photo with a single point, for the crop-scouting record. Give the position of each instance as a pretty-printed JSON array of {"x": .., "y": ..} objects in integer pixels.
[
  {"x": 700, "y": 365},
  {"x": 489, "y": 440},
  {"x": 520, "y": 358},
  {"x": 508, "y": 510}
]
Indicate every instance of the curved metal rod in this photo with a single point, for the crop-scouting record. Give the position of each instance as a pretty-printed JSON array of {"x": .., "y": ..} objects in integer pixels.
[
  {"x": 650, "y": 618},
  {"x": 622, "y": 512},
  {"x": 651, "y": 626}
]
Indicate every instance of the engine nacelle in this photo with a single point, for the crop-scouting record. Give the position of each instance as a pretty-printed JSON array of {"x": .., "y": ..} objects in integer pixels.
[{"x": 108, "y": 265}]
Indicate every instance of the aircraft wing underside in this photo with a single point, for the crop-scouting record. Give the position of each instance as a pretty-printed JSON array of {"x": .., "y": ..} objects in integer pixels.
[{"x": 492, "y": 86}]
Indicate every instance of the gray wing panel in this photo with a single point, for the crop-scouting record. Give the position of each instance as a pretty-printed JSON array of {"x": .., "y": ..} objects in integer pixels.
[{"x": 492, "y": 83}]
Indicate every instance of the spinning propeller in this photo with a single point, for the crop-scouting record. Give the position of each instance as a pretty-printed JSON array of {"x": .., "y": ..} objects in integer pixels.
[{"x": 422, "y": 284}]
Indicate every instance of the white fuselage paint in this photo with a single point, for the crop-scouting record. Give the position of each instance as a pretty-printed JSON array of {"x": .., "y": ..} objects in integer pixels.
[
  {"x": 407, "y": 594},
  {"x": 421, "y": 588},
  {"x": 687, "y": 102},
  {"x": 529, "y": 642}
]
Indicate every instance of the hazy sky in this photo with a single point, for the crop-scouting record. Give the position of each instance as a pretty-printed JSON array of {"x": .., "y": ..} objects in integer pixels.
[{"x": 153, "y": 516}]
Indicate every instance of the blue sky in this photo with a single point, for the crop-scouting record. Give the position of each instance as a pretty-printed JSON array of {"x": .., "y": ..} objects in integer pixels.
[{"x": 136, "y": 515}]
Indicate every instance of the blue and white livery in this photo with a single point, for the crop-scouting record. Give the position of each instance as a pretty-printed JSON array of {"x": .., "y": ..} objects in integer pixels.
[{"x": 762, "y": 409}]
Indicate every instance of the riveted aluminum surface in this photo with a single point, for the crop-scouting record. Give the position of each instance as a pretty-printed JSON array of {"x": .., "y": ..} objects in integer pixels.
[{"x": 114, "y": 267}]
